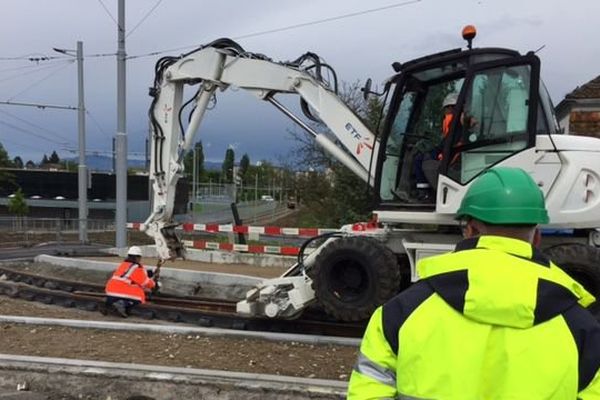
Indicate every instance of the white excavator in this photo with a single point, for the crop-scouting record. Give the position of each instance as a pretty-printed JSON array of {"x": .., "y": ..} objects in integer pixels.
[{"x": 419, "y": 170}]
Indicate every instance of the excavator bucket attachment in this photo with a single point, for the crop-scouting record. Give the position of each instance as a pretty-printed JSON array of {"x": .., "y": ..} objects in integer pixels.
[
  {"x": 173, "y": 242},
  {"x": 168, "y": 244}
]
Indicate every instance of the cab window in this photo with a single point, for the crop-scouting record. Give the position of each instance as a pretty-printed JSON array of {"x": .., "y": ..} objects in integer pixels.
[{"x": 493, "y": 123}]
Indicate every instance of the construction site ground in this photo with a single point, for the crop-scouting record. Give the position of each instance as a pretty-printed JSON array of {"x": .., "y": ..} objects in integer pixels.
[{"x": 191, "y": 351}]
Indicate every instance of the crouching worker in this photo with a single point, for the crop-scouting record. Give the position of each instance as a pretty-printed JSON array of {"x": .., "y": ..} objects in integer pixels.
[{"x": 128, "y": 285}]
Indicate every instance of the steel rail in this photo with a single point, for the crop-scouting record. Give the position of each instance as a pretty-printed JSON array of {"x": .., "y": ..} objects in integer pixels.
[{"x": 187, "y": 309}]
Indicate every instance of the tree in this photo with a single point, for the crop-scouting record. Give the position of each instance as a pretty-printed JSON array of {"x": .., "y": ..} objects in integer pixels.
[
  {"x": 244, "y": 165},
  {"x": 213, "y": 176},
  {"x": 44, "y": 160},
  {"x": 188, "y": 163},
  {"x": 4, "y": 159},
  {"x": 228, "y": 165},
  {"x": 18, "y": 162},
  {"x": 54, "y": 159},
  {"x": 18, "y": 206},
  {"x": 72, "y": 166},
  {"x": 5, "y": 162},
  {"x": 29, "y": 164},
  {"x": 331, "y": 195}
]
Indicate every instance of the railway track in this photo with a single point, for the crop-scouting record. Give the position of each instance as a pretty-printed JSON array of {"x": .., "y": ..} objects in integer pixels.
[{"x": 187, "y": 309}]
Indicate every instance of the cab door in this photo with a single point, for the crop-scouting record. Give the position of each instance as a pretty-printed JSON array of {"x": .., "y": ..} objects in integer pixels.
[{"x": 494, "y": 123}]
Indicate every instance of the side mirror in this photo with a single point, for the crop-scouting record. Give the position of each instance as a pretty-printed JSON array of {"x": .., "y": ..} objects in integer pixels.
[{"x": 367, "y": 89}]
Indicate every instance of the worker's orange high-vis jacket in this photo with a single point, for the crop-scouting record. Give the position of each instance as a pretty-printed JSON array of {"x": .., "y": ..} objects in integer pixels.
[
  {"x": 446, "y": 121},
  {"x": 129, "y": 281},
  {"x": 446, "y": 124}
]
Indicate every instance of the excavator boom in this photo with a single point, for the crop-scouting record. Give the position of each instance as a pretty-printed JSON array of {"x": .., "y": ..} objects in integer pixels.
[{"x": 217, "y": 66}]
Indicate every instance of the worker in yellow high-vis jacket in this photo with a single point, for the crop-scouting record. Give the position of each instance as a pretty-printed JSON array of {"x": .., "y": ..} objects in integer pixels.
[{"x": 495, "y": 319}]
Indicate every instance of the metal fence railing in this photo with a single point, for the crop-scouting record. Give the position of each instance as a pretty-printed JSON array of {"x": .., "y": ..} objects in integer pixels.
[
  {"x": 19, "y": 224},
  {"x": 28, "y": 231}
]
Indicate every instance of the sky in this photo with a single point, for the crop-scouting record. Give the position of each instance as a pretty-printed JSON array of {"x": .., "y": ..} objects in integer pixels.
[{"x": 354, "y": 37}]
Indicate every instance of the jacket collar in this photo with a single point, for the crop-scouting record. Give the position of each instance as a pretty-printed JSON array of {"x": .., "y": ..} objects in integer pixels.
[
  {"x": 501, "y": 281},
  {"x": 515, "y": 247}
]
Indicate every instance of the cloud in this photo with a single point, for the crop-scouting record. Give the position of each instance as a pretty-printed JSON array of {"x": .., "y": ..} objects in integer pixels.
[{"x": 359, "y": 47}]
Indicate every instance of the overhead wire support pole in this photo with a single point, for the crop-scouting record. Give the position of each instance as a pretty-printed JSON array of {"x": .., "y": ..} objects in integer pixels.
[
  {"x": 82, "y": 175},
  {"x": 121, "y": 137}
]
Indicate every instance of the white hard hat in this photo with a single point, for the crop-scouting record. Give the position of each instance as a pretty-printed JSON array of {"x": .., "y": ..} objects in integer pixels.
[
  {"x": 134, "y": 251},
  {"x": 450, "y": 100}
]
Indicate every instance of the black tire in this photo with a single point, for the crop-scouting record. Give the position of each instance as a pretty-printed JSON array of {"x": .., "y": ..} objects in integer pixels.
[
  {"x": 353, "y": 275},
  {"x": 582, "y": 263}
]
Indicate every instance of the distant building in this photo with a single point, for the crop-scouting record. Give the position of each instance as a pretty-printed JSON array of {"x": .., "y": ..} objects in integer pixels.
[
  {"x": 579, "y": 112},
  {"x": 54, "y": 194},
  {"x": 52, "y": 166}
]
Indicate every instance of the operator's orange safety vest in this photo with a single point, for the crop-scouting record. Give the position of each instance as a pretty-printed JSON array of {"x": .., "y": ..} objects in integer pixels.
[
  {"x": 129, "y": 281},
  {"x": 445, "y": 130},
  {"x": 446, "y": 125}
]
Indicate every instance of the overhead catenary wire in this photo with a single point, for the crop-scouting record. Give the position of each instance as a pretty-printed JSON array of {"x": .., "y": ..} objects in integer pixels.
[
  {"x": 40, "y": 80},
  {"x": 96, "y": 123},
  {"x": 28, "y": 132},
  {"x": 324, "y": 20},
  {"x": 30, "y": 57},
  {"x": 38, "y": 105},
  {"x": 244, "y": 36},
  {"x": 42, "y": 148},
  {"x": 45, "y": 59},
  {"x": 27, "y": 68},
  {"x": 253, "y": 34},
  {"x": 286, "y": 28},
  {"x": 143, "y": 18},
  {"x": 23, "y": 120},
  {"x": 38, "y": 69},
  {"x": 109, "y": 14},
  {"x": 103, "y": 152}
]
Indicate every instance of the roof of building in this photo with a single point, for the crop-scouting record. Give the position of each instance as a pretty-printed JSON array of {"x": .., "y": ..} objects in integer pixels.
[{"x": 590, "y": 90}]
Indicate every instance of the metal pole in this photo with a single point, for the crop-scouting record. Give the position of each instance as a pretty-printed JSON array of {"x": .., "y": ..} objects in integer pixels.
[
  {"x": 114, "y": 155},
  {"x": 234, "y": 191},
  {"x": 121, "y": 201},
  {"x": 148, "y": 141},
  {"x": 255, "y": 195},
  {"x": 194, "y": 189},
  {"x": 82, "y": 175}
]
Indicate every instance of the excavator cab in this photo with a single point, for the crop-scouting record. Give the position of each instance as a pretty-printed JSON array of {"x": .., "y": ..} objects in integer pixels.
[{"x": 499, "y": 106}]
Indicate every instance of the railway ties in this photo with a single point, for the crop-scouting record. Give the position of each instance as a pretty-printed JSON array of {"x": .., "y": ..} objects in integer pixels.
[{"x": 198, "y": 311}]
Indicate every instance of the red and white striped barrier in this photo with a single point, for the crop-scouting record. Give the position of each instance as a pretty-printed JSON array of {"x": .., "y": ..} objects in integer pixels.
[
  {"x": 261, "y": 230},
  {"x": 243, "y": 248}
]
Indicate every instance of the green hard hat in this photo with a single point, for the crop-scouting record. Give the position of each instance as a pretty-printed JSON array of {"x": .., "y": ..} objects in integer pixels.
[{"x": 504, "y": 196}]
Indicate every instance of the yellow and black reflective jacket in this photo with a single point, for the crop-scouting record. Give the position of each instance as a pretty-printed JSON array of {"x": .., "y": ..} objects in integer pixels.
[{"x": 495, "y": 319}]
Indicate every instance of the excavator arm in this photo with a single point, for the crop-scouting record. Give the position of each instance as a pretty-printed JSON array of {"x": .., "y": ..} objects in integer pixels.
[{"x": 216, "y": 67}]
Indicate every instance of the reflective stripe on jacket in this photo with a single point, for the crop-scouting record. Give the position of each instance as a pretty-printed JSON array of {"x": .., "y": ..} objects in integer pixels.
[
  {"x": 130, "y": 281},
  {"x": 492, "y": 320}
]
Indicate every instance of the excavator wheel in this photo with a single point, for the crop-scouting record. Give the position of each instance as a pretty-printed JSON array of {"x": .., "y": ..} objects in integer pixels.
[
  {"x": 354, "y": 275},
  {"x": 582, "y": 263}
]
